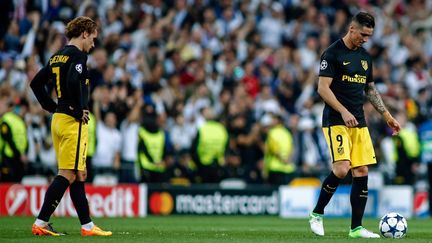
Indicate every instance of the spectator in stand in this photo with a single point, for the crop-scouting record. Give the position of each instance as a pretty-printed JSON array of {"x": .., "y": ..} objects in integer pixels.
[
  {"x": 418, "y": 76},
  {"x": 271, "y": 27},
  {"x": 182, "y": 134},
  {"x": 266, "y": 103},
  {"x": 129, "y": 129},
  {"x": 244, "y": 138},
  {"x": 106, "y": 158},
  {"x": 41, "y": 153}
]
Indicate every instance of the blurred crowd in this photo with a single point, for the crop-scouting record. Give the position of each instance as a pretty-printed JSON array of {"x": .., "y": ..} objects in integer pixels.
[{"x": 250, "y": 65}]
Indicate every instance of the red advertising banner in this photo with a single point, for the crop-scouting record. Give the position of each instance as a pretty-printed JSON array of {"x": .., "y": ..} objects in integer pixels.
[
  {"x": 421, "y": 204},
  {"x": 104, "y": 201}
]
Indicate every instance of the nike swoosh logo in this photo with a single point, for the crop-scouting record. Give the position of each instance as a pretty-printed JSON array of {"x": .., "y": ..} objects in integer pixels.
[
  {"x": 332, "y": 188},
  {"x": 346, "y": 63}
]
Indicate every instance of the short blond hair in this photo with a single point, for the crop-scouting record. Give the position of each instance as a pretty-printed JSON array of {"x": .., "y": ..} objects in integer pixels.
[{"x": 79, "y": 25}]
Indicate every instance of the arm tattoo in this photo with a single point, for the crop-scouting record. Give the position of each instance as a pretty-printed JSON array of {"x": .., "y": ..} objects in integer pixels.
[{"x": 374, "y": 98}]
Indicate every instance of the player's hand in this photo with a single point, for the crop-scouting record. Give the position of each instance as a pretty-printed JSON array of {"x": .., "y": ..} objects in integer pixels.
[
  {"x": 86, "y": 116},
  {"x": 392, "y": 123},
  {"x": 349, "y": 119}
]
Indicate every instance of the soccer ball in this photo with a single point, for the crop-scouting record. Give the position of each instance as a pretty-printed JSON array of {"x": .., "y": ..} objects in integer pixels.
[{"x": 393, "y": 225}]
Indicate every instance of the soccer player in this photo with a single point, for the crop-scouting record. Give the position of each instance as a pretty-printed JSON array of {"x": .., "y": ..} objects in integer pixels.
[
  {"x": 68, "y": 71},
  {"x": 345, "y": 77}
]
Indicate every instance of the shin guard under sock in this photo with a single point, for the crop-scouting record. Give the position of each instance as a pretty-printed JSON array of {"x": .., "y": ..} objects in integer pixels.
[
  {"x": 53, "y": 197},
  {"x": 79, "y": 199},
  {"x": 358, "y": 198},
  {"x": 328, "y": 188}
]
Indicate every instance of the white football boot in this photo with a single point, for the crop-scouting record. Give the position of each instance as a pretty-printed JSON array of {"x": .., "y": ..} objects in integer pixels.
[
  {"x": 316, "y": 223},
  {"x": 362, "y": 232}
]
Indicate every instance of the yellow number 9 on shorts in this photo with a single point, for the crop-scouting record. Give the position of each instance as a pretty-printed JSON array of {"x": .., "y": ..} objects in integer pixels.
[{"x": 353, "y": 144}]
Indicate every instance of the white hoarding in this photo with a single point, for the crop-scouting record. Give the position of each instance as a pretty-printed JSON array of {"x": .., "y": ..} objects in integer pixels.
[
  {"x": 396, "y": 199},
  {"x": 296, "y": 202}
]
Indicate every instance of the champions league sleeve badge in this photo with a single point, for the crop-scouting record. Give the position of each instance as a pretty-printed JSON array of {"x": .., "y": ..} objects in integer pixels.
[
  {"x": 78, "y": 67},
  {"x": 323, "y": 64}
]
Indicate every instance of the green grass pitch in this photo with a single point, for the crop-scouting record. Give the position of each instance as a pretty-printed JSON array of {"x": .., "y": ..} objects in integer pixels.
[{"x": 204, "y": 229}]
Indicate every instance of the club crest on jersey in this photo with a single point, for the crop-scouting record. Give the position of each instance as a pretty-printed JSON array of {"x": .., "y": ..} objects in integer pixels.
[
  {"x": 340, "y": 150},
  {"x": 323, "y": 64},
  {"x": 78, "y": 67},
  {"x": 364, "y": 64}
]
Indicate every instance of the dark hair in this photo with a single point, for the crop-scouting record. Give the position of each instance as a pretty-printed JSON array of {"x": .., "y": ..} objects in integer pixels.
[
  {"x": 5, "y": 92},
  {"x": 80, "y": 25},
  {"x": 364, "y": 19}
]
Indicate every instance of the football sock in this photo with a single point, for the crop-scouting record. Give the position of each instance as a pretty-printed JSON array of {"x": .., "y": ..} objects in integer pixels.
[
  {"x": 328, "y": 188},
  {"x": 53, "y": 197},
  {"x": 358, "y": 198},
  {"x": 40, "y": 223},
  {"x": 88, "y": 226},
  {"x": 78, "y": 196}
]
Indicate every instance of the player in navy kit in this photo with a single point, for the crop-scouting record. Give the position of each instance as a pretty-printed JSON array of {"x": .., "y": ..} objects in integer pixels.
[
  {"x": 67, "y": 69},
  {"x": 345, "y": 78}
]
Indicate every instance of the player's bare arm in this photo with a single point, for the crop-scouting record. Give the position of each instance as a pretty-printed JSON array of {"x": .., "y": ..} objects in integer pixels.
[
  {"x": 328, "y": 96},
  {"x": 375, "y": 99}
]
